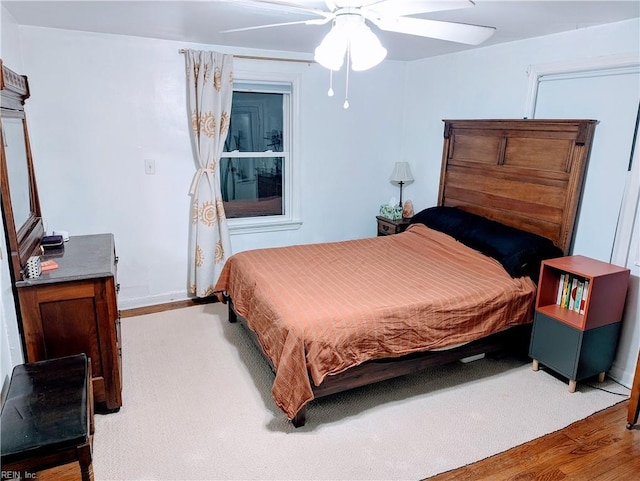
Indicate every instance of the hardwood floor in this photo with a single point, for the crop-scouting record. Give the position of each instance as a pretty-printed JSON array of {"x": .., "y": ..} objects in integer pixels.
[{"x": 599, "y": 447}]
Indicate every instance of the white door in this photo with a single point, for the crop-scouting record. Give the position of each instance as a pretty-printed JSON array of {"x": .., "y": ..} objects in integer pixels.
[{"x": 611, "y": 98}]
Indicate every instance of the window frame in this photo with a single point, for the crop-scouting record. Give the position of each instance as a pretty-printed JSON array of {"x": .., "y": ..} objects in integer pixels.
[{"x": 291, "y": 218}]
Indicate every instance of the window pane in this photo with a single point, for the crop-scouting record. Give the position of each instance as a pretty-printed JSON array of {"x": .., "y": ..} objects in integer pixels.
[
  {"x": 251, "y": 186},
  {"x": 256, "y": 122}
]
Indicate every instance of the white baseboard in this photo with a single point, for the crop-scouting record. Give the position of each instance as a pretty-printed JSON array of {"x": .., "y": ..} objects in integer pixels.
[
  {"x": 146, "y": 301},
  {"x": 620, "y": 375}
]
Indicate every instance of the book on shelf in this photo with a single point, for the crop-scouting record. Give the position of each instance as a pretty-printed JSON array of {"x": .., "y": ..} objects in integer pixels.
[
  {"x": 572, "y": 295},
  {"x": 585, "y": 295},
  {"x": 565, "y": 291},
  {"x": 560, "y": 288},
  {"x": 579, "y": 288}
]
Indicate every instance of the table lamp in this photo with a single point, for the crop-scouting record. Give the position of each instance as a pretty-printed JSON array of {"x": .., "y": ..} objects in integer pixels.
[{"x": 401, "y": 175}]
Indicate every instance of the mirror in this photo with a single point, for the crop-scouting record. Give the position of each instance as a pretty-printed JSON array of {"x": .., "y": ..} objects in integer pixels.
[
  {"x": 17, "y": 170},
  {"x": 20, "y": 205}
]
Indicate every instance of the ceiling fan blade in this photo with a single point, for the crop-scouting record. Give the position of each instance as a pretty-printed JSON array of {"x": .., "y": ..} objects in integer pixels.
[
  {"x": 399, "y": 8},
  {"x": 319, "y": 21},
  {"x": 451, "y": 31},
  {"x": 283, "y": 6}
]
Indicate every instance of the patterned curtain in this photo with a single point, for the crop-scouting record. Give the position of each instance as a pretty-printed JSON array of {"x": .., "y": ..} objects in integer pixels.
[{"x": 210, "y": 90}]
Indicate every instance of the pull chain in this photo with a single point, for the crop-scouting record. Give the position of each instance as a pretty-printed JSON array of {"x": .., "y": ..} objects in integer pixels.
[
  {"x": 346, "y": 95},
  {"x": 330, "y": 92}
]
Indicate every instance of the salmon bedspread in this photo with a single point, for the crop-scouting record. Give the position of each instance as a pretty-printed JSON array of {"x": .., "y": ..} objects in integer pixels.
[{"x": 319, "y": 309}]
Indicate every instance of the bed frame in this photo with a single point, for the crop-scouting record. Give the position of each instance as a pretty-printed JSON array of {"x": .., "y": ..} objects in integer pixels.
[{"x": 524, "y": 173}]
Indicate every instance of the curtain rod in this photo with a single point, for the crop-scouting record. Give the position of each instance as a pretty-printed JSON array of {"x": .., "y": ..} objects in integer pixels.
[{"x": 252, "y": 57}]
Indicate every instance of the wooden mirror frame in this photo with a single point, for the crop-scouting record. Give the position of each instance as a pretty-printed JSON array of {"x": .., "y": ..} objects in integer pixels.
[{"x": 23, "y": 241}]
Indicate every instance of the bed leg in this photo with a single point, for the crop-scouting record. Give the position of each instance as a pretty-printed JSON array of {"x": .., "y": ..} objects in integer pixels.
[
  {"x": 300, "y": 418},
  {"x": 233, "y": 317},
  {"x": 536, "y": 365}
]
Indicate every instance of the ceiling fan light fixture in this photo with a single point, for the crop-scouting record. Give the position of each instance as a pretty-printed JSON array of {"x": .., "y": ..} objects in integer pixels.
[
  {"x": 366, "y": 49},
  {"x": 349, "y": 32},
  {"x": 331, "y": 51}
]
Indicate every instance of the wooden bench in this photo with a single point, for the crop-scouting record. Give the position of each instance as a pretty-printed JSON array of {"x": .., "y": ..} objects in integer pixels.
[{"x": 47, "y": 418}]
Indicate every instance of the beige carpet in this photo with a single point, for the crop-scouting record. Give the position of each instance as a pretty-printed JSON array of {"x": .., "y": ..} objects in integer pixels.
[{"x": 197, "y": 406}]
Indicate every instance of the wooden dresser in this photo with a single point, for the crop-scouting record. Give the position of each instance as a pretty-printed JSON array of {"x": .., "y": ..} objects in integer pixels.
[{"x": 73, "y": 309}]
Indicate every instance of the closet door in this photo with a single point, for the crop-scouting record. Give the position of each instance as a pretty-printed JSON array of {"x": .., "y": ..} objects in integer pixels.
[{"x": 611, "y": 97}]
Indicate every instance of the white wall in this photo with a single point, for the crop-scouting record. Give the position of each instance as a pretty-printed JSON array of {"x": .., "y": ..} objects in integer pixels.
[
  {"x": 101, "y": 104},
  {"x": 492, "y": 83},
  {"x": 10, "y": 343}
]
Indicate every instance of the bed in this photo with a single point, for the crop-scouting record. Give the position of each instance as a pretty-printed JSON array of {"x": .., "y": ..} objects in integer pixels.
[{"x": 460, "y": 281}]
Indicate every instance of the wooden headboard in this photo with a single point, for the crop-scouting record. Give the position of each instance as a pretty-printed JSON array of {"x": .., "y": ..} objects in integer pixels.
[{"x": 524, "y": 173}]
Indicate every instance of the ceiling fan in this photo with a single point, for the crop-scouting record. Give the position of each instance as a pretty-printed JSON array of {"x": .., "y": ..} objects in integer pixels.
[{"x": 350, "y": 36}]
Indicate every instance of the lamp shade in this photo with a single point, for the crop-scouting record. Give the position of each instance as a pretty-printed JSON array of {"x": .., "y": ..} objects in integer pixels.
[
  {"x": 366, "y": 49},
  {"x": 401, "y": 173},
  {"x": 349, "y": 32},
  {"x": 333, "y": 48}
]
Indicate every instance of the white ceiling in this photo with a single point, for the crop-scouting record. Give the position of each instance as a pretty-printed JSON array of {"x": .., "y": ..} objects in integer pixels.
[{"x": 203, "y": 21}]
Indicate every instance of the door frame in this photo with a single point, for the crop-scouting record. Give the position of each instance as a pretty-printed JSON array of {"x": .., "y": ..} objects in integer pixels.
[{"x": 574, "y": 69}]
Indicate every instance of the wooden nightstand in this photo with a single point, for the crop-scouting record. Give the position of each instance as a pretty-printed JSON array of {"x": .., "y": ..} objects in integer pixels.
[
  {"x": 578, "y": 343},
  {"x": 389, "y": 227}
]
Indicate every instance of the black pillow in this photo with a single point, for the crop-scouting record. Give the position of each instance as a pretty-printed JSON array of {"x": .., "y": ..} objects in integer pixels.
[
  {"x": 519, "y": 252},
  {"x": 450, "y": 220}
]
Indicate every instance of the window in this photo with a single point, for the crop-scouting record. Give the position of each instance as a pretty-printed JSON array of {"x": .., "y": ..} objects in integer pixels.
[{"x": 256, "y": 167}]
